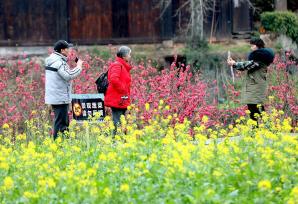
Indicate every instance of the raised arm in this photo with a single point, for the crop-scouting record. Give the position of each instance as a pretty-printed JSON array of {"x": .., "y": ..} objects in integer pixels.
[
  {"x": 68, "y": 74},
  {"x": 243, "y": 65}
]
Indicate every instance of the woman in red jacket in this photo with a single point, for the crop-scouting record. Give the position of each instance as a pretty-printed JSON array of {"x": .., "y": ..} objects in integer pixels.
[{"x": 118, "y": 93}]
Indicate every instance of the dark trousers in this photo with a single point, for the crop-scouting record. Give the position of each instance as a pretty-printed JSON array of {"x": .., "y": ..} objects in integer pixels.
[
  {"x": 116, "y": 113},
  {"x": 61, "y": 121},
  {"x": 253, "y": 108}
]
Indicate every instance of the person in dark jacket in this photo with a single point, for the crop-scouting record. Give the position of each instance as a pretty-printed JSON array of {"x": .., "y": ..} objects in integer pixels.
[
  {"x": 118, "y": 93},
  {"x": 255, "y": 79},
  {"x": 58, "y": 78}
]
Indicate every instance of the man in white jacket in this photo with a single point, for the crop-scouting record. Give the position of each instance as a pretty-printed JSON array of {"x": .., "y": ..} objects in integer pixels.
[{"x": 58, "y": 84}]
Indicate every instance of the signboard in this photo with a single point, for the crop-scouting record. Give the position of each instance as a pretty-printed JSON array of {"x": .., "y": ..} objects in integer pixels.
[{"x": 85, "y": 106}]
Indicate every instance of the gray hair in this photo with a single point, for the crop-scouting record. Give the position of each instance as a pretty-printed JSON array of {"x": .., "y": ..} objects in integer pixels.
[{"x": 123, "y": 51}]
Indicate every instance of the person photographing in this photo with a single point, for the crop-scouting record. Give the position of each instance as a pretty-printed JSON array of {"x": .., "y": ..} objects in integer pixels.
[
  {"x": 58, "y": 77},
  {"x": 255, "y": 85}
]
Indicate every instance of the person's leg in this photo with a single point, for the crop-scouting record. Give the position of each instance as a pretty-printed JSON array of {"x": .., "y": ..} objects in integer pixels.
[
  {"x": 116, "y": 113},
  {"x": 61, "y": 121},
  {"x": 253, "y": 108}
]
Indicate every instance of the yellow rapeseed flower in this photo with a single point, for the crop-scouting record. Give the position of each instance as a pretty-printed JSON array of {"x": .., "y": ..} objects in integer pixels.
[
  {"x": 29, "y": 195},
  {"x": 31, "y": 145},
  {"x": 251, "y": 122},
  {"x": 147, "y": 106},
  {"x": 102, "y": 157},
  {"x": 72, "y": 123},
  {"x": 85, "y": 124},
  {"x": 53, "y": 147},
  {"x": 4, "y": 165},
  {"x": 51, "y": 183},
  {"x": 42, "y": 182},
  {"x": 20, "y": 137},
  {"x": 294, "y": 192},
  {"x": 205, "y": 119},
  {"x": 264, "y": 185},
  {"x": 7, "y": 183},
  {"x": 153, "y": 158},
  {"x": 210, "y": 192},
  {"x": 291, "y": 201},
  {"x": 284, "y": 178},
  {"x": 278, "y": 189},
  {"x": 72, "y": 134},
  {"x": 126, "y": 170},
  {"x": 124, "y": 188},
  {"x": 216, "y": 173},
  {"x": 112, "y": 156},
  {"x": 270, "y": 163},
  {"x": 243, "y": 165},
  {"x": 95, "y": 130},
  {"x": 5, "y": 126},
  {"x": 107, "y": 192},
  {"x": 91, "y": 172},
  {"x": 82, "y": 166},
  {"x": 166, "y": 140}
]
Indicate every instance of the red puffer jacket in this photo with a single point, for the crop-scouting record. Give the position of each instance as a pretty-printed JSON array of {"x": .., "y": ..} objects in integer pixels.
[{"x": 118, "y": 92}]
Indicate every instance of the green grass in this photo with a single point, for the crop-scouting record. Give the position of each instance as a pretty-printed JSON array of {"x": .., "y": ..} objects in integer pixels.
[{"x": 239, "y": 48}]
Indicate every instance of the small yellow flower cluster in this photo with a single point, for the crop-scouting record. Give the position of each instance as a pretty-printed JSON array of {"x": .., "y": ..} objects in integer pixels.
[{"x": 264, "y": 185}]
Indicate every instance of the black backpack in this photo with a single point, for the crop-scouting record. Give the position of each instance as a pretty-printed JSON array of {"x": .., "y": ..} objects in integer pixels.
[{"x": 102, "y": 83}]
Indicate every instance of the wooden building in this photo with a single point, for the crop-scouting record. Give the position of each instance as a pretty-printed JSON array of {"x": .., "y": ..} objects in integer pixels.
[{"x": 42, "y": 22}]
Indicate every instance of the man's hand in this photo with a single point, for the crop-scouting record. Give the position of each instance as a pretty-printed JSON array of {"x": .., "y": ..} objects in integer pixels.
[
  {"x": 231, "y": 62},
  {"x": 80, "y": 63}
]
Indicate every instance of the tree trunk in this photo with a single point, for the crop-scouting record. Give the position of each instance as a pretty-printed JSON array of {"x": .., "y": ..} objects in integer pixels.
[
  {"x": 281, "y": 5},
  {"x": 197, "y": 20},
  {"x": 201, "y": 19}
]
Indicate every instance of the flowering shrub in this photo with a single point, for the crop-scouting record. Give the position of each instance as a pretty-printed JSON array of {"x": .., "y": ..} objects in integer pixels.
[
  {"x": 283, "y": 84},
  {"x": 22, "y": 91}
]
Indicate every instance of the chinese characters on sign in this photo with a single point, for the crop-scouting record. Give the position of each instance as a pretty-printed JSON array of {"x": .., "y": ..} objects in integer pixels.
[{"x": 85, "y": 106}]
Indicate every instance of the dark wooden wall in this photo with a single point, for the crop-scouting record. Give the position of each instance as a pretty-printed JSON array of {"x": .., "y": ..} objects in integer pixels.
[
  {"x": 42, "y": 22},
  {"x": 228, "y": 19},
  {"x": 32, "y": 21},
  {"x": 90, "y": 20},
  {"x": 242, "y": 18},
  {"x": 37, "y": 22},
  {"x": 222, "y": 20},
  {"x": 117, "y": 20},
  {"x": 143, "y": 18}
]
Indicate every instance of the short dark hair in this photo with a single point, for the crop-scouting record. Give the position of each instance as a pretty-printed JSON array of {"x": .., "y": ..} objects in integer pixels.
[
  {"x": 61, "y": 44},
  {"x": 258, "y": 42}
]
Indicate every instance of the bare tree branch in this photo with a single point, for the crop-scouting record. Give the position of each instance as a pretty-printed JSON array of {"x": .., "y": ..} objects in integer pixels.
[
  {"x": 181, "y": 7},
  {"x": 163, "y": 4},
  {"x": 250, "y": 4},
  {"x": 197, "y": 10}
]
